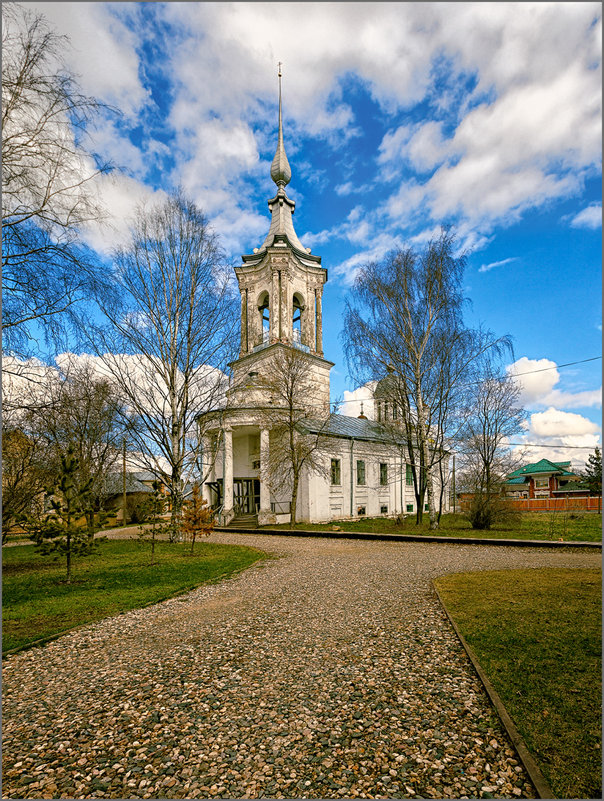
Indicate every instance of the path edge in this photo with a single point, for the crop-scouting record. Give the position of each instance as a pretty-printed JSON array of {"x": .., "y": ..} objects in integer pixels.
[
  {"x": 40, "y": 642},
  {"x": 534, "y": 772}
]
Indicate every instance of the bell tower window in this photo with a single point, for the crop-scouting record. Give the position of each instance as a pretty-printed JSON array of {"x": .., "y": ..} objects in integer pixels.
[
  {"x": 298, "y": 308},
  {"x": 265, "y": 316}
]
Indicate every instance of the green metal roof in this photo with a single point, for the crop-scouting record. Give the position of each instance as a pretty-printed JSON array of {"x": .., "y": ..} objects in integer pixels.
[
  {"x": 517, "y": 480},
  {"x": 543, "y": 466}
]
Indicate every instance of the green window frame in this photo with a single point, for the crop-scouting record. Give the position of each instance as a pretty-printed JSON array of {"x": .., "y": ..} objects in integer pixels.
[
  {"x": 336, "y": 473},
  {"x": 360, "y": 472},
  {"x": 409, "y": 476},
  {"x": 383, "y": 474}
]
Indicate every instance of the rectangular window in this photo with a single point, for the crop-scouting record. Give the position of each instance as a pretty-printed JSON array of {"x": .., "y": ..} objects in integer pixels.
[
  {"x": 542, "y": 482},
  {"x": 360, "y": 472},
  {"x": 335, "y": 472},
  {"x": 383, "y": 474},
  {"x": 409, "y": 507},
  {"x": 394, "y": 411},
  {"x": 383, "y": 509},
  {"x": 426, "y": 507},
  {"x": 360, "y": 510},
  {"x": 409, "y": 476}
]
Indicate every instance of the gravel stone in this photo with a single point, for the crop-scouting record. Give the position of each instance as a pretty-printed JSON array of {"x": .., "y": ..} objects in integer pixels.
[{"x": 331, "y": 672}]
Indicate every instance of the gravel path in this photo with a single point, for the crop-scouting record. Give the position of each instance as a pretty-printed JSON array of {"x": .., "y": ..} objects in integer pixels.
[{"x": 329, "y": 673}]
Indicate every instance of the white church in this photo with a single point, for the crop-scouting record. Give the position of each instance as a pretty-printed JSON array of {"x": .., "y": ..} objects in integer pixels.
[{"x": 364, "y": 473}]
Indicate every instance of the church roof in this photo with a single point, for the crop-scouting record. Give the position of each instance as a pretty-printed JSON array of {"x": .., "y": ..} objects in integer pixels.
[{"x": 340, "y": 425}]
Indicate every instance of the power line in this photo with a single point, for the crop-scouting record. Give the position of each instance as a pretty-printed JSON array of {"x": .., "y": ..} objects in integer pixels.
[
  {"x": 532, "y": 445},
  {"x": 512, "y": 375},
  {"x": 555, "y": 367}
]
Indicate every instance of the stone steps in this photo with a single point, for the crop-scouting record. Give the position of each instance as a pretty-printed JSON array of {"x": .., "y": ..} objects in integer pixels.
[{"x": 244, "y": 521}]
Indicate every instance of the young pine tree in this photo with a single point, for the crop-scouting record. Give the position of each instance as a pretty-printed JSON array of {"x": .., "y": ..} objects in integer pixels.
[
  {"x": 61, "y": 531},
  {"x": 154, "y": 509},
  {"x": 197, "y": 517}
]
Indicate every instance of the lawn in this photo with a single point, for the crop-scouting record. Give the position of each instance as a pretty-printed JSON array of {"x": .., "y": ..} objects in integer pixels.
[
  {"x": 570, "y": 527},
  {"x": 537, "y": 635},
  {"x": 37, "y": 603}
]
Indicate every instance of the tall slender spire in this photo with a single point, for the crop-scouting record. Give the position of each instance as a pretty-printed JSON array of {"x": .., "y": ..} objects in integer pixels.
[{"x": 280, "y": 170}]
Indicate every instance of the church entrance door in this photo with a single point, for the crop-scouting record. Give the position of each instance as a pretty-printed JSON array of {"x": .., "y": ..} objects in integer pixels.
[{"x": 246, "y": 495}]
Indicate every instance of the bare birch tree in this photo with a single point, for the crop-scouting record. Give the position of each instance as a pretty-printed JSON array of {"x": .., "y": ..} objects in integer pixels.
[
  {"x": 295, "y": 423},
  {"x": 169, "y": 336},
  {"x": 493, "y": 416},
  {"x": 82, "y": 414},
  {"x": 26, "y": 473},
  {"x": 405, "y": 316},
  {"x": 47, "y": 183}
]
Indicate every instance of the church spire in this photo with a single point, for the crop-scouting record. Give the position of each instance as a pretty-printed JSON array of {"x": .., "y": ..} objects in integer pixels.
[{"x": 280, "y": 170}]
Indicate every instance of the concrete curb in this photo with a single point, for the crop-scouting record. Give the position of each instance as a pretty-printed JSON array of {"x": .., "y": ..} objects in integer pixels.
[
  {"x": 536, "y": 776},
  {"x": 361, "y": 535}
]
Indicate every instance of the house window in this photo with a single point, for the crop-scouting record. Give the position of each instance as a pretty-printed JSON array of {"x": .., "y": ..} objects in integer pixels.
[
  {"x": 256, "y": 464},
  {"x": 542, "y": 482},
  {"x": 360, "y": 510},
  {"x": 409, "y": 507},
  {"x": 409, "y": 476},
  {"x": 360, "y": 472},
  {"x": 394, "y": 411},
  {"x": 384, "y": 509},
  {"x": 426, "y": 507},
  {"x": 383, "y": 474},
  {"x": 335, "y": 472}
]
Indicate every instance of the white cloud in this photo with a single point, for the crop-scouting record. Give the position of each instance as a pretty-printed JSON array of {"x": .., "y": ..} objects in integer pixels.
[
  {"x": 357, "y": 399},
  {"x": 103, "y": 51},
  {"x": 556, "y": 423},
  {"x": 537, "y": 379},
  {"x": 590, "y": 217},
  {"x": 563, "y": 436},
  {"x": 120, "y": 196},
  {"x": 529, "y": 132},
  {"x": 486, "y": 267}
]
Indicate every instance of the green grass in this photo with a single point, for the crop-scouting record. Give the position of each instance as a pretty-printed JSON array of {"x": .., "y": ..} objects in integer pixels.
[
  {"x": 571, "y": 527},
  {"x": 537, "y": 635},
  {"x": 37, "y": 603}
]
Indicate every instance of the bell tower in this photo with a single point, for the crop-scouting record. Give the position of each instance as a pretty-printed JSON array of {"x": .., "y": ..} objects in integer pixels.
[{"x": 281, "y": 286}]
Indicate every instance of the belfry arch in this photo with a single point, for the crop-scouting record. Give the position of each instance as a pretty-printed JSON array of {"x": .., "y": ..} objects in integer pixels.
[
  {"x": 264, "y": 316},
  {"x": 298, "y": 319}
]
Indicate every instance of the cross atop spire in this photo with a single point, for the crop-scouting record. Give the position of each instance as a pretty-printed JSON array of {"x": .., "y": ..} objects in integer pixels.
[{"x": 280, "y": 170}]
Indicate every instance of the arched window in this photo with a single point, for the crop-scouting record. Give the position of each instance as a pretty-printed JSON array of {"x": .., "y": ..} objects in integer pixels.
[
  {"x": 298, "y": 308},
  {"x": 265, "y": 316}
]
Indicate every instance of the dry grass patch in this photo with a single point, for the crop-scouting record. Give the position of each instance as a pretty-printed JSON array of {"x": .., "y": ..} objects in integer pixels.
[{"x": 537, "y": 634}]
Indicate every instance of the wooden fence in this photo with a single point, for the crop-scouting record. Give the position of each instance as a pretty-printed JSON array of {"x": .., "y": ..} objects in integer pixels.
[{"x": 591, "y": 504}]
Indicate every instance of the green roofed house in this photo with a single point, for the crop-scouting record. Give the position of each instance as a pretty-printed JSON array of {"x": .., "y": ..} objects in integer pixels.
[{"x": 545, "y": 479}]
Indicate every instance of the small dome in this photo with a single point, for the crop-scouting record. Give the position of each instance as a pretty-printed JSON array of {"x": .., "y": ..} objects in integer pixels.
[{"x": 280, "y": 170}]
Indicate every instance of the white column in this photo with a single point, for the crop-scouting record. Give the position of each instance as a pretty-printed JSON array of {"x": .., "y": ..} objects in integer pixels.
[
  {"x": 227, "y": 470},
  {"x": 275, "y": 307},
  {"x": 310, "y": 316},
  {"x": 206, "y": 467},
  {"x": 265, "y": 494},
  {"x": 319, "y": 322}
]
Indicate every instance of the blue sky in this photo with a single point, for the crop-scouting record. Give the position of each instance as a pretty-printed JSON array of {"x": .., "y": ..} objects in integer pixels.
[{"x": 398, "y": 117}]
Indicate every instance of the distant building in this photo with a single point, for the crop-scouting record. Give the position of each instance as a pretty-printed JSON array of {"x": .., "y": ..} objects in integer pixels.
[
  {"x": 365, "y": 472},
  {"x": 545, "y": 479}
]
